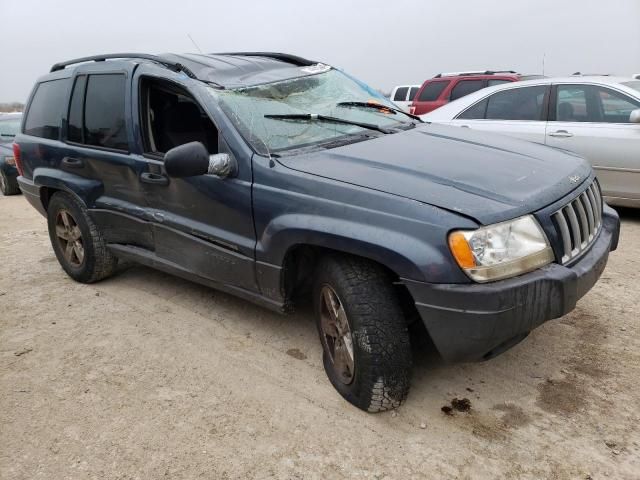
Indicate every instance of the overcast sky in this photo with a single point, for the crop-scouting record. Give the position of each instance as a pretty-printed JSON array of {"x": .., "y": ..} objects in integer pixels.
[{"x": 384, "y": 43}]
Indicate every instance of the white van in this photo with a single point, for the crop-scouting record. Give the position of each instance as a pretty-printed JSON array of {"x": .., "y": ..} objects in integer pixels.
[{"x": 402, "y": 95}]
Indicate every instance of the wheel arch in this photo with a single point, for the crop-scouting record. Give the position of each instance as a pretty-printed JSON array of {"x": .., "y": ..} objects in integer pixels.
[{"x": 50, "y": 181}]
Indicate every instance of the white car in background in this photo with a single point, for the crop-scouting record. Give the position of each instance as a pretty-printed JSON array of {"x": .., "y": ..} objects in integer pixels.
[
  {"x": 595, "y": 117},
  {"x": 403, "y": 95}
]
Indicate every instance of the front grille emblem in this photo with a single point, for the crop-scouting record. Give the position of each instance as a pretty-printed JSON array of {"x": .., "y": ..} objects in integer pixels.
[{"x": 574, "y": 178}]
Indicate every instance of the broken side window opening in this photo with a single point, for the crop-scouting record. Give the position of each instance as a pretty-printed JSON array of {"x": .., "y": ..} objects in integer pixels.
[{"x": 171, "y": 117}]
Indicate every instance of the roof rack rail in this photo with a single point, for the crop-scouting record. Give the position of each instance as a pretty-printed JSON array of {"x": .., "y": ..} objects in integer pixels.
[
  {"x": 175, "y": 66},
  {"x": 477, "y": 72},
  {"x": 299, "y": 61},
  {"x": 580, "y": 74}
]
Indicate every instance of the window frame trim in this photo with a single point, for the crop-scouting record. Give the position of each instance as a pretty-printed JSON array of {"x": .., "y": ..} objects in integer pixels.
[
  {"x": 84, "y": 98},
  {"x": 545, "y": 108}
]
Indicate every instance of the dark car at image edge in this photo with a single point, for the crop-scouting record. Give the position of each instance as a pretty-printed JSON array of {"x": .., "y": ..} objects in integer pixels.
[
  {"x": 9, "y": 126},
  {"x": 280, "y": 179}
]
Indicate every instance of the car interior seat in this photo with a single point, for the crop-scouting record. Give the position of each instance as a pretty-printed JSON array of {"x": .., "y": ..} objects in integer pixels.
[
  {"x": 565, "y": 112},
  {"x": 181, "y": 123}
]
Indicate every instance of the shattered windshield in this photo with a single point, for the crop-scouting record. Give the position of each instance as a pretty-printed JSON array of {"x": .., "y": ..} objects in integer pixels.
[{"x": 317, "y": 94}]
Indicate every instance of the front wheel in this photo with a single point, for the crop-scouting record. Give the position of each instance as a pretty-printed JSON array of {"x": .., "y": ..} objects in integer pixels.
[{"x": 364, "y": 336}]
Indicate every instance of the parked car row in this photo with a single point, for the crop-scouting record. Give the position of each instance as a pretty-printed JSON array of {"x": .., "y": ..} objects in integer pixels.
[
  {"x": 446, "y": 87},
  {"x": 280, "y": 179},
  {"x": 597, "y": 118}
]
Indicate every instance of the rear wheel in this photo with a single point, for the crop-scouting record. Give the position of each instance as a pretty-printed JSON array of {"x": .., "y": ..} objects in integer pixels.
[
  {"x": 77, "y": 241},
  {"x": 8, "y": 186},
  {"x": 364, "y": 336}
]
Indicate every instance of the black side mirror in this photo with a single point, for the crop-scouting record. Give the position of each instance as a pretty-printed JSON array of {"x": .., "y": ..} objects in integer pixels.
[
  {"x": 187, "y": 160},
  {"x": 192, "y": 159}
]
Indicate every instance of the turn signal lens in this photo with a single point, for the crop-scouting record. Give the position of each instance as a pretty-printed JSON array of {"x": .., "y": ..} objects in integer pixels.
[{"x": 461, "y": 250}]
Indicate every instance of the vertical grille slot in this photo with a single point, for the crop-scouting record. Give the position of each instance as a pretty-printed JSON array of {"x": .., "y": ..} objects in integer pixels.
[{"x": 579, "y": 222}]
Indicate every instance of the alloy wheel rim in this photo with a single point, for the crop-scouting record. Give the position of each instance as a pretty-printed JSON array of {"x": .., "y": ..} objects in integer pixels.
[
  {"x": 336, "y": 334},
  {"x": 69, "y": 238}
]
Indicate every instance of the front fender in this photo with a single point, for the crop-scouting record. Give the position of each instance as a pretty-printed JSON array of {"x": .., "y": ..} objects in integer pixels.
[{"x": 385, "y": 246}]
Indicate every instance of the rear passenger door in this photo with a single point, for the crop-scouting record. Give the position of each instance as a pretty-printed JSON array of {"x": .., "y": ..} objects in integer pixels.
[
  {"x": 518, "y": 112},
  {"x": 98, "y": 148}
]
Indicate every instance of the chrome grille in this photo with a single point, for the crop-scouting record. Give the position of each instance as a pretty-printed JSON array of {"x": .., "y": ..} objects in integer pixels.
[{"x": 579, "y": 222}]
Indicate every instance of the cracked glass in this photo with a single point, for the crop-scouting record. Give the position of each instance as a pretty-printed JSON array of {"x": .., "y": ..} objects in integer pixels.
[{"x": 317, "y": 94}]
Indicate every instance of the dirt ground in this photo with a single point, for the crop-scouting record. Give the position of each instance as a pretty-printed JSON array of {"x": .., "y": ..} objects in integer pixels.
[{"x": 149, "y": 376}]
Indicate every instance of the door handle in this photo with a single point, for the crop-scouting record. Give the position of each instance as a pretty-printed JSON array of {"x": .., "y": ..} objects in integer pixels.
[
  {"x": 561, "y": 134},
  {"x": 72, "y": 162},
  {"x": 465, "y": 126},
  {"x": 154, "y": 178}
]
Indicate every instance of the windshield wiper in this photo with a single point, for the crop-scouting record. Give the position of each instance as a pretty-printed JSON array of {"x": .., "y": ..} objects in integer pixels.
[
  {"x": 313, "y": 117},
  {"x": 380, "y": 107}
]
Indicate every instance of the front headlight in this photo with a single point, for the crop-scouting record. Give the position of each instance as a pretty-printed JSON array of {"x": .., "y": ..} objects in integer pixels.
[{"x": 502, "y": 250}]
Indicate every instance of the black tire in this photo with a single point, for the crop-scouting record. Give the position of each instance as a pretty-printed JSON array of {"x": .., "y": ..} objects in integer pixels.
[
  {"x": 8, "y": 186},
  {"x": 380, "y": 339},
  {"x": 97, "y": 262}
]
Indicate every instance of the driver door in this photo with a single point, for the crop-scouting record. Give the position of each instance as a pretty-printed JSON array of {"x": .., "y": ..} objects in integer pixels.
[{"x": 201, "y": 224}]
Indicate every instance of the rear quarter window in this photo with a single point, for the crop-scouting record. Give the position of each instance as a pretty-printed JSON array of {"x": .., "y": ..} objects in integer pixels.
[
  {"x": 432, "y": 91},
  {"x": 401, "y": 94},
  {"x": 44, "y": 116},
  {"x": 465, "y": 87}
]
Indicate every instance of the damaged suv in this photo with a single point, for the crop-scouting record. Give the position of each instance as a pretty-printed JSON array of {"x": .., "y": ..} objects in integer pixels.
[{"x": 277, "y": 178}]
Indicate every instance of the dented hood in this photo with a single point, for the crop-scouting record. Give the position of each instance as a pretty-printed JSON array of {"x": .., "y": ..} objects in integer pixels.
[{"x": 488, "y": 177}]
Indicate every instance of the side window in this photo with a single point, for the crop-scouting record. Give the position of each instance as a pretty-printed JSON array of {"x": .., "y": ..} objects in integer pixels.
[
  {"x": 465, "y": 87},
  {"x": 104, "y": 119},
  {"x": 524, "y": 103},
  {"x": 76, "y": 114},
  {"x": 572, "y": 105},
  {"x": 475, "y": 112},
  {"x": 616, "y": 107},
  {"x": 171, "y": 117},
  {"x": 491, "y": 83},
  {"x": 412, "y": 93},
  {"x": 45, "y": 111},
  {"x": 432, "y": 91},
  {"x": 401, "y": 94}
]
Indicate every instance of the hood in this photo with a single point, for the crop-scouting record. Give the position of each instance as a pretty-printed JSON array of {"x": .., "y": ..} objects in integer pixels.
[{"x": 487, "y": 177}]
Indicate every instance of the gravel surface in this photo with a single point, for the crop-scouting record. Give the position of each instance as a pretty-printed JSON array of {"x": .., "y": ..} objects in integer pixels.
[{"x": 148, "y": 376}]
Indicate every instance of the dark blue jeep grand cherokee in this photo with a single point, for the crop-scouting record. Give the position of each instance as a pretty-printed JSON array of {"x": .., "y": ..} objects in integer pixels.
[{"x": 273, "y": 177}]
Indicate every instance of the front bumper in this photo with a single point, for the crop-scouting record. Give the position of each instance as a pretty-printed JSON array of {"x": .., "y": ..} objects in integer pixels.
[{"x": 469, "y": 322}]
